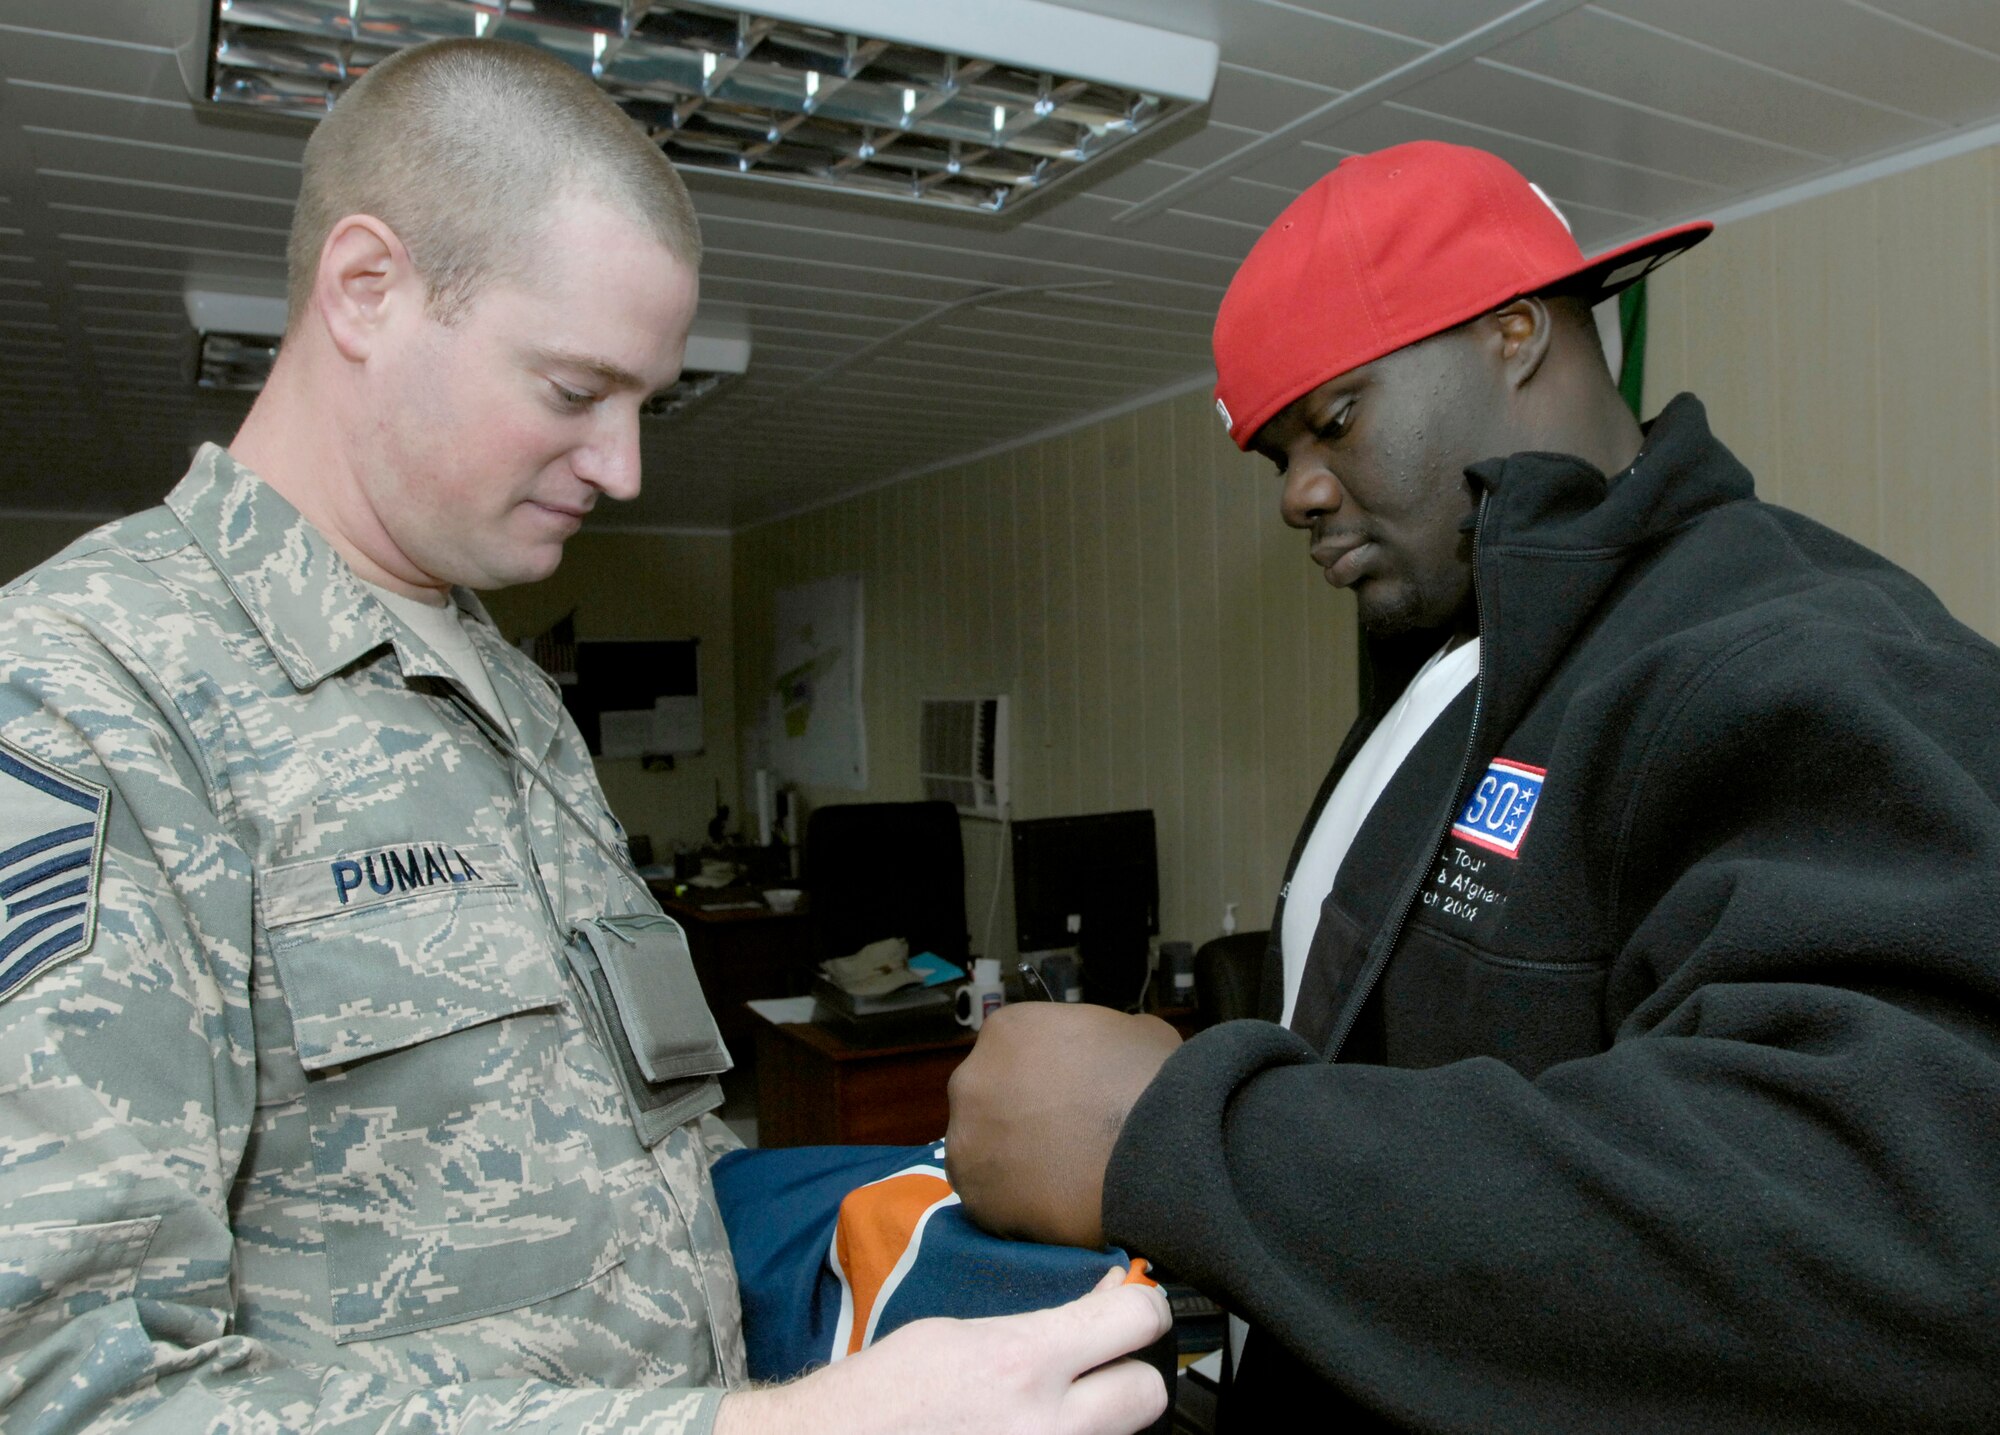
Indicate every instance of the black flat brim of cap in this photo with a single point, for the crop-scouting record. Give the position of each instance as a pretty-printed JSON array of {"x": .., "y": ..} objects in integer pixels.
[{"x": 1619, "y": 269}]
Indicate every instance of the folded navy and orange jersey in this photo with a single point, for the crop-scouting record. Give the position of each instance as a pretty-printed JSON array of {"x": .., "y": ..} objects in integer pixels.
[{"x": 837, "y": 1246}]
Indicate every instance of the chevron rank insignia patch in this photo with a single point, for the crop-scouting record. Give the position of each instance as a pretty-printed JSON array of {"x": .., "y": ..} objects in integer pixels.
[{"x": 51, "y": 853}]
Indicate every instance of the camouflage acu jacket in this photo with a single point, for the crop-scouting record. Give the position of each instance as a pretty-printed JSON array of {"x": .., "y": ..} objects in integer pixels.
[{"x": 305, "y": 1119}]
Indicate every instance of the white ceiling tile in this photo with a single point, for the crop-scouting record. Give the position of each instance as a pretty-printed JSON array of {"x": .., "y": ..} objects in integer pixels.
[
  {"x": 1206, "y": 146},
  {"x": 167, "y": 200},
  {"x": 1572, "y": 175},
  {"x": 1093, "y": 309},
  {"x": 161, "y": 127},
  {"x": 1033, "y": 334},
  {"x": 1435, "y": 22},
  {"x": 142, "y": 232},
  {"x": 1137, "y": 181},
  {"x": 1314, "y": 48},
  {"x": 1200, "y": 236},
  {"x": 152, "y": 161},
  {"x": 1971, "y": 22},
  {"x": 1240, "y": 201},
  {"x": 1290, "y": 172},
  {"x": 1559, "y": 114},
  {"x": 30, "y": 57},
  {"x": 1256, "y": 100},
  {"x": 158, "y": 23},
  {"x": 1603, "y": 52},
  {"x": 1860, "y": 51}
]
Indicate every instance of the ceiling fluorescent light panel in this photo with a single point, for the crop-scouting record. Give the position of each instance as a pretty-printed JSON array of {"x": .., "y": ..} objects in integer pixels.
[
  {"x": 966, "y": 104},
  {"x": 237, "y": 338}
]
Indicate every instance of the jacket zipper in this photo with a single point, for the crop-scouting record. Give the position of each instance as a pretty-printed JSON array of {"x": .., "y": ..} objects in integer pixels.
[{"x": 1385, "y": 950}]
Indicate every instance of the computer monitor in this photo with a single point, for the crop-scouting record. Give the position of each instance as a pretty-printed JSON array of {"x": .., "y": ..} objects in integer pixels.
[{"x": 1092, "y": 883}]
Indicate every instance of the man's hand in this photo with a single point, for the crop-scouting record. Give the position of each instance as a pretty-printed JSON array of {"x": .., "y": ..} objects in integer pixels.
[
  {"x": 1036, "y": 1109},
  {"x": 1044, "y": 1373}
]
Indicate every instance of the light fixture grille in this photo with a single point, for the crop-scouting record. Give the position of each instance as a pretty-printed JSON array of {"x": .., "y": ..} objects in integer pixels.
[
  {"x": 234, "y": 363},
  {"x": 241, "y": 363},
  {"x": 725, "y": 90}
]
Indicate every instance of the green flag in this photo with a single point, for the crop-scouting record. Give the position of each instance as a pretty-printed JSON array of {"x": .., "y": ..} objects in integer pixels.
[{"x": 1632, "y": 346}]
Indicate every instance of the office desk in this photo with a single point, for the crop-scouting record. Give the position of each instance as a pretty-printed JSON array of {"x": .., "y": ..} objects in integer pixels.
[
  {"x": 814, "y": 1089},
  {"x": 741, "y": 953}
]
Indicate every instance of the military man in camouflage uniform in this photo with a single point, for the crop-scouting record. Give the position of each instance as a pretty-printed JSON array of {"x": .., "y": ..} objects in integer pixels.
[{"x": 349, "y": 1076}]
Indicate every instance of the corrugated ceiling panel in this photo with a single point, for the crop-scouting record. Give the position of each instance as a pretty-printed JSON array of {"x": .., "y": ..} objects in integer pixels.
[
  {"x": 1255, "y": 100},
  {"x": 1431, "y": 21},
  {"x": 1645, "y": 67},
  {"x": 1573, "y": 174},
  {"x": 1842, "y": 46},
  {"x": 1313, "y": 48},
  {"x": 1485, "y": 94},
  {"x": 1972, "y": 22}
]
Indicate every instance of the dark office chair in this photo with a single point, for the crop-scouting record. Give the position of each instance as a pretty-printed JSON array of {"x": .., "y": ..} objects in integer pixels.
[
  {"x": 1229, "y": 977},
  {"x": 887, "y": 869}
]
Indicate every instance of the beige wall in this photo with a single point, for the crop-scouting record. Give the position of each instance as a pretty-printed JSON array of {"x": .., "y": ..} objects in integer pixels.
[
  {"x": 24, "y": 542},
  {"x": 635, "y": 585},
  {"x": 1162, "y": 636},
  {"x": 1848, "y": 349}
]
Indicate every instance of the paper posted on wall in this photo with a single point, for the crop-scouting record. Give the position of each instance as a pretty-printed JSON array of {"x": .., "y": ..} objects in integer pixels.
[{"x": 815, "y": 729}]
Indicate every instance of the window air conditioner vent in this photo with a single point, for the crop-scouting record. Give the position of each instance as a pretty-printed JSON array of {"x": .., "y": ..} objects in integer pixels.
[{"x": 962, "y": 754}]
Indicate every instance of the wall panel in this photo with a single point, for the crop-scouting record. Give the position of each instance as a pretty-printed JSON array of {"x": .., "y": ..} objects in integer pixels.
[
  {"x": 1848, "y": 348},
  {"x": 1164, "y": 640}
]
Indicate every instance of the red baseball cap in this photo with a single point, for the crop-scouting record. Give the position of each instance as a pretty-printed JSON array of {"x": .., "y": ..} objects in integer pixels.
[{"x": 1390, "y": 248}]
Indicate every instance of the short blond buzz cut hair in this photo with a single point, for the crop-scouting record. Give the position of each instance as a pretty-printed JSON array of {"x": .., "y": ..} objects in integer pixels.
[{"x": 463, "y": 148}]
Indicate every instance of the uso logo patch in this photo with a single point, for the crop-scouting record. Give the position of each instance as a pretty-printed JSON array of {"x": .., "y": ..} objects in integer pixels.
[
  {"x": 1501, "y": 807},
  {"x": 53, "y": 827}
]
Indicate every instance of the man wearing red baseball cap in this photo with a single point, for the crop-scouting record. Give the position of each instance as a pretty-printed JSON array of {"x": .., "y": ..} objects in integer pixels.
[{"x": 1635, "y": 984}]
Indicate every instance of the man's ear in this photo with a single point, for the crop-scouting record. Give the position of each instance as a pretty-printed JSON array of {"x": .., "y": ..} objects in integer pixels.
[
  {"x": 365, "y": 281},
  {"x": 1525, "y": 327}
]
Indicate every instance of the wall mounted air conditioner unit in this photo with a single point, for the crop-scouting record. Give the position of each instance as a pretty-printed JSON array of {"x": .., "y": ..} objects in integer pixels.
[{"x": 962, "y": 754}]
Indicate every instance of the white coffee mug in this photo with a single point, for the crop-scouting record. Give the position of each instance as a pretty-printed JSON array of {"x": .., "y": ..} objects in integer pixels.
[{"x": 974, "y": 1003}]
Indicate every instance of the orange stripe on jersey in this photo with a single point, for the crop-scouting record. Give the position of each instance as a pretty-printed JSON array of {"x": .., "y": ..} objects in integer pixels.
[{"x": 876, "y": 1225}]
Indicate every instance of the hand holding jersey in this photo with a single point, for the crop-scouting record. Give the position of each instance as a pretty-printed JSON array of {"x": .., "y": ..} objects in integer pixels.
[{"x": 1049, "y": 1372}]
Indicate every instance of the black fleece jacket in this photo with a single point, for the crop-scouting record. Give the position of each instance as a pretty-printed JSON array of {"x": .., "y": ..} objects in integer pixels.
[{"x": 1686, "y": 1114}]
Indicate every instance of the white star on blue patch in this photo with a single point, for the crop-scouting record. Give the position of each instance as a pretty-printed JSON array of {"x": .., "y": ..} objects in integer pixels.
[{"x": 51, "y": 852}]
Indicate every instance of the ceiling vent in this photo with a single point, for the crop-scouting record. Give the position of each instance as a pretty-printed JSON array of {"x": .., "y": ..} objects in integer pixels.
[
  {"x": 962, "y": 754},
  {"x": 970, "y": 105}
]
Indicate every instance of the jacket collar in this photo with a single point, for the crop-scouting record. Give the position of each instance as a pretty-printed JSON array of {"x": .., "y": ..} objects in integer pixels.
[
  {"x": 1554, "y": 535},
  {"x": 306, "y": 603},
  {"x": 1557, "y": 537},
  {"x": 1553, "y": 504}
]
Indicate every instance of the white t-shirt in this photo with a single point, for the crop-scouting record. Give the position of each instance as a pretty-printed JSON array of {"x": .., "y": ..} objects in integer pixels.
[
  {"x": 1439, "y": 681},
  {"x": 438, "y": 624}
]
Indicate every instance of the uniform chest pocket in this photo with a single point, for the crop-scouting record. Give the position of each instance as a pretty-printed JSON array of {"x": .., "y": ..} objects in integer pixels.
[{"x": 452, "y": 1146}]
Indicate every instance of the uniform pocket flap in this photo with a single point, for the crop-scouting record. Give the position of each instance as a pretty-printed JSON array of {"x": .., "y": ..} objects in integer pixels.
[
  {"x": 660, "y": 1004},
  {"x": 362, "y": 983}
]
